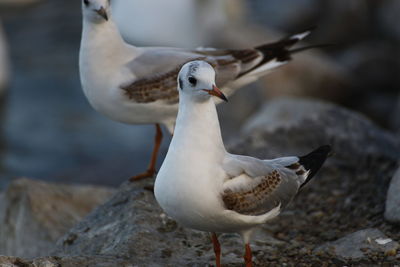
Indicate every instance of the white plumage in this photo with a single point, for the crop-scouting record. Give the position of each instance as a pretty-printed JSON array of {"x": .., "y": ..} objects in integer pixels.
[{"x": 203, "y": 186}]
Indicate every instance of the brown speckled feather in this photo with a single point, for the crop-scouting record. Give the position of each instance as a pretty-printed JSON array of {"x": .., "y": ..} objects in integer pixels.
[
  {"x": 257, "y": 186},
  {"x": 158, "y": 87},
  {"x": 248, "y": 201}
]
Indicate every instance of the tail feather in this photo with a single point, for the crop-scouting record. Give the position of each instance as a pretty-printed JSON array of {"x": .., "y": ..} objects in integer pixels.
[
  {"x": 287, "y": 41},
  {"x": 313, "y": 161},
  {"x": 277, "y": 53},
  {"x": 280, "y": 49}
]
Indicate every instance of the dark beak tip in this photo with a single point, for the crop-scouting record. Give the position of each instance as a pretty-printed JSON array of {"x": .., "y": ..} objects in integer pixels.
[{"x": 103, "y": 13}]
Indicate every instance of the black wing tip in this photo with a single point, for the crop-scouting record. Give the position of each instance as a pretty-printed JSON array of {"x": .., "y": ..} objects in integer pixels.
[
  {"x": 281, "y": 49},
  {"x": 314, "y": 160}
]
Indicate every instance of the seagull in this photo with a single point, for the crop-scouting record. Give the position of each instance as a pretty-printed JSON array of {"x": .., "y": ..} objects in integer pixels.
[
  {"x": 204, "y": 187},
  {"x": 137, "y": 85}
]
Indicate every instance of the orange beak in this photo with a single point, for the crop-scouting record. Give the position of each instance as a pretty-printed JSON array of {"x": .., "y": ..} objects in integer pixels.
[{"x": 216, "y": 92}]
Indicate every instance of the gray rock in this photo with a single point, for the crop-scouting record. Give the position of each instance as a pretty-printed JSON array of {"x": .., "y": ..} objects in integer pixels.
[
  {"x": 64, "y": 261},
  {"x": 290, "y": 125},
  {"x": 392, "y": 210},
  {"x": 34, "y": 214},
  {"x": 360, "y": 245},
  {"x": 132, "y": 226}
]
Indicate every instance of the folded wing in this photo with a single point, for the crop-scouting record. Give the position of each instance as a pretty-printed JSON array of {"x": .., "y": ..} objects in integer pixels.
[{"x": 257, "y": 186}]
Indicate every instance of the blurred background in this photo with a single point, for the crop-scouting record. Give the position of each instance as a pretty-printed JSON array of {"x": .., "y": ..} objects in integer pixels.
[{"x": 50, "y": 132}]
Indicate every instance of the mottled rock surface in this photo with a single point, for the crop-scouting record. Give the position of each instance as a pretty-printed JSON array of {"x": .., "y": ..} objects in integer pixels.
[
  {"x": 361, "y": 244},
  {"x": 392, "y": 209},
  {"x": 64, "y": 262},
  {"x": 293, "y": 125},
  {"x": 346, "y": 196},
  {"x": 132, "y": 226},
  {"x": 34, "y": 214}
]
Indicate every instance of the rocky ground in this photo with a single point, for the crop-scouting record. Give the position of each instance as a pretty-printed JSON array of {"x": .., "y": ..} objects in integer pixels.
[
  {"x": 338, "y": 219},
  {"x": 35, "y": 214}
]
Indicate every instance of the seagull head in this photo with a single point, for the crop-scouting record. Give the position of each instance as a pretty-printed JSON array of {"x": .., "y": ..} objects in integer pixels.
[
  {"x": 96, "y": 11},
  {"x": 197, "y": 79}
]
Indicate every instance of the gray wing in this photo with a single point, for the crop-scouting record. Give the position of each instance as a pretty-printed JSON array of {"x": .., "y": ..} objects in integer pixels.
[
  {"x": 156, "y": 69},
  {"x": 257, "y": 186}
]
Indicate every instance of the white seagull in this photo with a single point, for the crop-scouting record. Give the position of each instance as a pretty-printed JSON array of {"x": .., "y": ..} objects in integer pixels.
[
  {"x": 137, "y": 85},
  {"x": 204, "y": 187}
]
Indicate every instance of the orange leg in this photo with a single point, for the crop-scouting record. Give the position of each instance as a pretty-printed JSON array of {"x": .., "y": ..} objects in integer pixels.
[
  {"x": 217, "y": 249},
  {"x": 247, "y": 256},
  {"x": 151, "y": 170}
]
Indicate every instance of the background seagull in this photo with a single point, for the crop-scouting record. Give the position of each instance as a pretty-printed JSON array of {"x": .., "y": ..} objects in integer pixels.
[
  {"x": 137, "y": 85},
  {"x": 204, "y": 187}
]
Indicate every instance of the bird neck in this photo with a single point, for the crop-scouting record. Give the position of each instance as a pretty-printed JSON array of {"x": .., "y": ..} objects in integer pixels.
[
  {"x": 197, "y": 125},
  {"x": 103, "y": 40}
]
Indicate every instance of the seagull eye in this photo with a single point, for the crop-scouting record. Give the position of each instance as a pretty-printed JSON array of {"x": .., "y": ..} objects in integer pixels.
[
  {"x": 86, "y": 2},
  {"x": 192, "y": 80}
]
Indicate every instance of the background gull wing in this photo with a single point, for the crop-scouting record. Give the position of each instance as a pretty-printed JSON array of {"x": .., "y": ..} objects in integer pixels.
[{"x": 156, "y": 69}]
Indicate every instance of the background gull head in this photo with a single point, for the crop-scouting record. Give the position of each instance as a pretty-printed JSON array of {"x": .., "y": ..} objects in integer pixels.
[{"x": 96, "y": 11}]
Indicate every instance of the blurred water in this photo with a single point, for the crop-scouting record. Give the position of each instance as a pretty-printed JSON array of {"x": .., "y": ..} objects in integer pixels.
[{"x": 51, "y": 132}]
